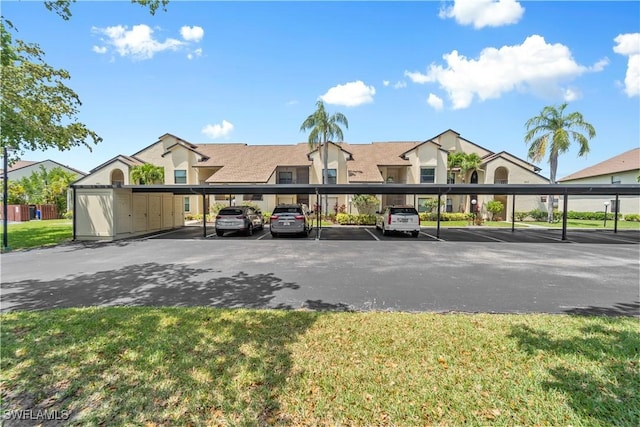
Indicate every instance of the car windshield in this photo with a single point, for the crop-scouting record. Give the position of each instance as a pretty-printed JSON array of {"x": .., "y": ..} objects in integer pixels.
[
  {"x": 287, "y": 209},
  {"x": 231, "y": 211},
  {"x": 403, "y": 211}
]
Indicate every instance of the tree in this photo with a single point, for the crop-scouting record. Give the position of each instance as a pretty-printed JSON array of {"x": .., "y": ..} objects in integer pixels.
[
  {"x": 38, "y": 110},
  {"x": 324, "y": 128},
  {"x": 47, "y": 187},
  {"x": 147, "y": 174},
  {"x": 553, "y": 131},
  {"x": 365, "y": 203}
]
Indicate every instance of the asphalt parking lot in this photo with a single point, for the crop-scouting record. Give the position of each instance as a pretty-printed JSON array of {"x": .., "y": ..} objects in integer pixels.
[
  {"x": 447, "y": 234},
  {"x": 348, "y": 268}
]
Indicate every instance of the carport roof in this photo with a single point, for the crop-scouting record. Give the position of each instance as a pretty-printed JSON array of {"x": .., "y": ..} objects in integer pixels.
[{"x": 442, "y": 189}]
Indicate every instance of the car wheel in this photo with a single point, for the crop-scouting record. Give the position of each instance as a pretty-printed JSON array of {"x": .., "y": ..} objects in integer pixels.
[
  {"x": 250, "y": 230},
  {"x": 384, "y": 232},
  {"x": 415, "y": 233},
  {"x": 274, "y": 235},
  {"x": 219, "y": 233}
]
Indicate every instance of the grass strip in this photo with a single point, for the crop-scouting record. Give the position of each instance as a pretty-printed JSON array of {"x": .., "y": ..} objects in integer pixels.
[
  {"x": 32, "y": 234},
  {"x": 204, "y": 366}
]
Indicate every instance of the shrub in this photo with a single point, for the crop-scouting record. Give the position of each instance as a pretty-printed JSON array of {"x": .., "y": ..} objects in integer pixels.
[
  {"x": 494, "y": 206},
  {"x": 431, "y": 204},
  {"x": 266, "y": 217},
  {"x": 215, "y": 208},
  {"x": 520, "y": 215},
  {"x": 351, "y": 219},
  {"x": 365, "y": 203},
  {"x": 632, "y": 217},
  {"x": 444, "y": 216},
  {"x": 538, "y": 215},
  {"x": 68, "y": 215}
]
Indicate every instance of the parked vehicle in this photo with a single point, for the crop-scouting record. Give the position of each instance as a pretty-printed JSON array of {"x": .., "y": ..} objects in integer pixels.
[
  {"x": 291, "y": 219},
  {"x": 239, "y": 218},
  {"x": 399, "y": 218}
]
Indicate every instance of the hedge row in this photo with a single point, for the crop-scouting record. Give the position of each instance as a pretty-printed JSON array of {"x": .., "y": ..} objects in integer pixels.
[
  {"x": 352, "y": 219},
  {"x": 539, "y": 215},
  {"x": 444, "y": 216}
]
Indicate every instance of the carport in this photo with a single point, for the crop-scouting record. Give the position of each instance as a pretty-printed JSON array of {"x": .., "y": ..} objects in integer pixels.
[{"x": 109, "y": 192}]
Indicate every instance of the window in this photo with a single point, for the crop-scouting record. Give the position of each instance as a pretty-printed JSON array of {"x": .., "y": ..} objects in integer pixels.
[
  {"x": 614, "y": 206},
  {"x": 332, "y": 176},
  {"x": 427, "y": 175},
  {"x": 616, "y": 180},
  {"x": 451, "y": 178},
  {"x": 285, "y": 177},
  {"x": 187, "y": 204},
  {"x": 252, "y": 197},
  {"x": 179, "y": 176}
]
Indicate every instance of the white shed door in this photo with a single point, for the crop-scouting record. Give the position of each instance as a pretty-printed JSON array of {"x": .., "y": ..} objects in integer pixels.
[
  {"x": 155, "y": 211},
  {"x": 167, "y": 211},
  {"x": 123, "y": 216},
  {"x": 139, "y": 212}
]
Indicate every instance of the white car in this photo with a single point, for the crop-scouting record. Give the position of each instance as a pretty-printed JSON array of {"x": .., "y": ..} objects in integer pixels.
[{"x": 399, "y": 218}]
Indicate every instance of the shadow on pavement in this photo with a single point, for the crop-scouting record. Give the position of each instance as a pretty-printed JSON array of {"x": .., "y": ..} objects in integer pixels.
[{"x": 152, "y": 284}]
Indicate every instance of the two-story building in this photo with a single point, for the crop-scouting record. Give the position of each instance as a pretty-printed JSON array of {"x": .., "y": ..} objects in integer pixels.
[{"x": 410, "y": 162}]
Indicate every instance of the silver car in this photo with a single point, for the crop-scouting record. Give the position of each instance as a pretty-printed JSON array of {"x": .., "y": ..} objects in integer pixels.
[
  {"x": 290, "y": 219},
  {"x": 239, "y": 218}
]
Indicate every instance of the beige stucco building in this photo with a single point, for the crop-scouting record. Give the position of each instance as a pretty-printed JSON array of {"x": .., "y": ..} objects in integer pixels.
[
  {"x": 621, "y": 169},
  {"x": 410, "y": 162}
]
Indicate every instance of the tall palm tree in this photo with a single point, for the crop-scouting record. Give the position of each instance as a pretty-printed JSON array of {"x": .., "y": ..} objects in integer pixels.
[
  {"x": 147, "y": 174},
  {"x": 323, "y": 129},
  {"x": 553, "y": 131}
]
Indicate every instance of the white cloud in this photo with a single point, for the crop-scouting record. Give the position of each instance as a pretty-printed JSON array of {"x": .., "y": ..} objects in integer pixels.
[
  {"x": 99, "y": 49},
  {"x": 192, "y": 34},
  {"x": 483, "y": 13},
  {"x": 629, "y": 45},
  {"x": 137, "y": 42},
  {"x": 349, "y": 94},
  {"x": 385, "y": 82},
  {"x": 534, "y": 66},
  {"x": 400, "y": 85},
  {"x": 219, "y": 130},
  {"x": 292, "y": 102},
  {"x": 571, "y": 95},
  {"x": 435, "y": 102},
  {"x": 195, "y": 54}
]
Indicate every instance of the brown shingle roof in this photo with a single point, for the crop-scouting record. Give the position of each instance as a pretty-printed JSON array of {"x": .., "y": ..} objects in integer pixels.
[
  {"x": 250, "y": 163},
  {"x": 367, "y": 158},
  {"x": 629, "y": 160}
]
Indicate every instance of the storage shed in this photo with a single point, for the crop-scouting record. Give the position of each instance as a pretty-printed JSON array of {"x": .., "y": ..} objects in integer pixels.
[{"x": 116, "y": 213}]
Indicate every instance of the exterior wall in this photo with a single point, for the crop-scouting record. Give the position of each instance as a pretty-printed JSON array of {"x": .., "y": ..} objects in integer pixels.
[
  {"x": 103, "y": 176},
  {"x": 627, "y": 204},
  {"x": 94, "y": 216}
]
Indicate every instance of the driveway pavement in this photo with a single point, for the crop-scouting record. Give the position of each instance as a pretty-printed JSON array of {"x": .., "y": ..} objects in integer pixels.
[{"x": 368, "y": 272}]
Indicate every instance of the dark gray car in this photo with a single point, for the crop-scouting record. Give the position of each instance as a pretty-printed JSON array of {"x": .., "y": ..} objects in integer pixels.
[
  {"x": 239, "y": 218},
  {"x": 290, "y": 219}
]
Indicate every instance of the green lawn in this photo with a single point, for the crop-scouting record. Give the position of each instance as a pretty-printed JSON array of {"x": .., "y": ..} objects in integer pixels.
[
  {"x": 585, "y": 223},
  {"x": 203, "y": 366},
  {"x": 33, "y": 234}
]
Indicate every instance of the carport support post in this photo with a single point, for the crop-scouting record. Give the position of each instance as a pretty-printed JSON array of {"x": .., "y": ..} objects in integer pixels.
[
  {"x": 565, "y": 199},
  {"x": 204, "y": 214},
  {"x": 318, "y": 215},
  {"x": 615, "y": 215},
  {"x": 513, "y": 213},
  {"x": 75, "y": 212},
  {"x": 437, "y": 216}
]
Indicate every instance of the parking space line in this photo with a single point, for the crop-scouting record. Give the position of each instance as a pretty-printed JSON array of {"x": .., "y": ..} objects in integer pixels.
[
  {"x": 433, "y": 237},
  {"x": 372, "y": 235},
  {"x": 263, "y": 236},
  {"x": 484, "y": 235},
  {"x": 555, "y": 239}
]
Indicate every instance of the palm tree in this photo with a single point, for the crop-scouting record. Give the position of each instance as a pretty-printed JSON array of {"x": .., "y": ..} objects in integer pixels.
[
  {"x": 324, "y": 128},
  {"x": 147, "y": 174},
  {"x": 470, "y": 161},
  {"x": 553, "y": 131}
]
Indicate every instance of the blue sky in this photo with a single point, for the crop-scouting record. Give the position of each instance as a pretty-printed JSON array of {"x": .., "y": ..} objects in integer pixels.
[{"x": 400, "y": 71}]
